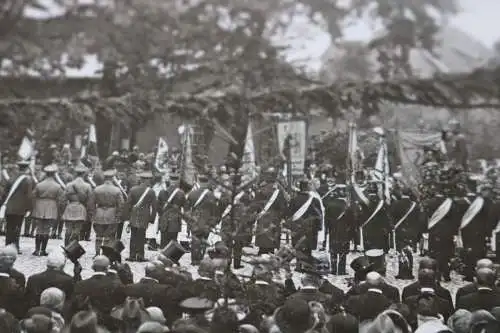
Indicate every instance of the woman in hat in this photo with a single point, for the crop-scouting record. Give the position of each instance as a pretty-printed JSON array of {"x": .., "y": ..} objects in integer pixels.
[{"x": 48, "y": 198}]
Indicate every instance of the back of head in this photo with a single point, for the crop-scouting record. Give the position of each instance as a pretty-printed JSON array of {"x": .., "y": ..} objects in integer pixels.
[
  {"x": 484, "y": 263},
  {"x": 459, "y": 322},
  {"x": 485, "y": 277},
  {"x": 224, "y": 320},
  {"x": 373, "y": 279},
  {"x": 152, "y": 327},
  {"x": 101, "y": 264},
  {"x": 428, "y": 263},
  {"x": 84, "y": 322},
  {"x": 383, "y": 323},
  {"x": 483, "y": 322},
  {"x": 56, "y": 260},
  {"x": 427, "y": 278},
  {"x": 52, "y": 298},
  {"x": 427, "y": 306}
]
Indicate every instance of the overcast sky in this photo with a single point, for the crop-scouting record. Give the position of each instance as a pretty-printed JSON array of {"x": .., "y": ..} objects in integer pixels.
[{"x": 480, "y": 18}]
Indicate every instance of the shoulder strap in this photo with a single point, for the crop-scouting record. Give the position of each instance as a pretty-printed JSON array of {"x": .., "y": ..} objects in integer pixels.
[
  {"x": 141, "y": 199},
  {"x": 440, "y": 213},
  {"x": 401, "y": 220},
  {"x": 303, "y": 209},
  {"x": 171, "y": 197},
  {"x": 14, "y": 187},
  {"x": 269, "y": 203},
  {"x": 200, "y": 199},
  {"x": 472, "y": 211}
]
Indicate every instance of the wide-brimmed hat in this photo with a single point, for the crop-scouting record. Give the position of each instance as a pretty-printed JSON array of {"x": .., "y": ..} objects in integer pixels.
[
  {"x": 174, "y": 251},
  {"x": 294, "y": 316},
  {"x": 113, "y": 250},
  {"x": 73, "y": 251},
  {"x": 361, "y": 265}
]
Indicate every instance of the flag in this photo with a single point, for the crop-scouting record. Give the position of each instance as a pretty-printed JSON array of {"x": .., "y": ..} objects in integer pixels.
[
  {"x": 88, "y": 151},
  {"x": 248, "y": 165},
  {"x": 382, "y": 170},
  {"x": 161, "y": 158},
  {"x": 188, "y": 170},
  {"x": 355, "y": 155},
  {"x": 27, "y": 147}
]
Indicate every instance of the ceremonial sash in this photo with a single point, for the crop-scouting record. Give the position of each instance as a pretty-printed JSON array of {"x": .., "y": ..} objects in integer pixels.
[
  {"x": 13, "y": 189},
  {"x": 375, "y": 212},
  {"x": 412, "y": 207},
  {"x": 59, "y": 181},
  {"x": 440, "y": 213},
  {"x": 360, "y": 194},
  {"x": 471, "y": 212},
  {"x": 303, "y": 209},
  {"x": 330, "y": 191},
  {"x": 5, "y": 175},
  {"x": 200, "y": 199},
  {"x": 170, "y": 198},
  {"x": 269, "y": 203},
  {"x": 143, "y": 196},
  {"x": 493, "y": 240},
  {"x": 237, "y": 199},
  {"x": 119, "y": 185},
  {"x": 91, "y": 182}
]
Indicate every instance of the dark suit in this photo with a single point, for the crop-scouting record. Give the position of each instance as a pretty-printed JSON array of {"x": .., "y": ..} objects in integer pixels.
[
  {"x": 310, "y": 294},
  {"x": 201, "y": 288},
  {"x": 388, "y": 290},
  {"x": 171, "y": 278},
  {"x": 103, "y": 293},
  {"x": 413, "y": 289},
  {"x": 37, "y": 283},
  {"x": 485, "y": 299},
  {"x": 169, "y": 213},
  {"x": 12, "y": 297},
  {"x": 367, "y": 306},
  {"x": 155, "y": 294},
  {"x": 18, "y": 277},
  {"x": 444, "y": 308},
  {"x": 16, "y": 208}
]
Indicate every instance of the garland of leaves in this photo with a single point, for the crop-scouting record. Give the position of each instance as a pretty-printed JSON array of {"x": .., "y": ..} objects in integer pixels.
[{"x": 478, "y": 89}]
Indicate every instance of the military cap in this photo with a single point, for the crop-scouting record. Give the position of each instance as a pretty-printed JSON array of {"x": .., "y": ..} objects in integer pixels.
[
  {"x": 50, "y": 168},
  {"x": 146, "y": 175},
  {"x": 109, "y": 173}
]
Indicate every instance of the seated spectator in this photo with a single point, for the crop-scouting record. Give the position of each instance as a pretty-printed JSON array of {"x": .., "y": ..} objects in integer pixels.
[{"x": 486, "y": 297}]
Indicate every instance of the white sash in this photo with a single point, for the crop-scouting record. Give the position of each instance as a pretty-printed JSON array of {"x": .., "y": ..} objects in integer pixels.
[
  {"x": 237, "y": 199},
  {"x": 200, "y": 199},
  {"x": 91, "y": 181},
  {"x": 119, "y": 185},
  {"x": 412, "y": 207},
  {"x": 171, "y": 197},
  {"x": 13, "y": 189},
  {"x": 141, "y": 199},
  {"x": 471, "y": 212},
  {"x": 5, "y": 175},
  {"x": 375, "y": 212},
  {"x": 360, "y": 194},
  {"x": 303, "y": 209},
  {"x": 59, "y": 181},
  {"x": 440, "y": 212},
  {"x": 330, "y": 191},
  {"x": 269, "y": 203}
]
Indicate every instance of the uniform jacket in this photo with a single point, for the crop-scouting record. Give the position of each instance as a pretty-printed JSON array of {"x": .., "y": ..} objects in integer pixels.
[
  {"x": 375, "y": 232},
  {"x": 485, "y": 299},
  {"x": 268, "y": 231},
  {"x": 170, "y": 215},
  {"x": 310, "y": 219},
  {"x": 143, "y": 214},
  {"x": 108, "y": 203},
  {"x": 79, "y": 201},
  {"x": 243, "y": 213},
  {"x": 153, "y": 293},
  {"x": 339, "y": 220},
  {"x": 48, "y": 200},
  {"x": 205, "y": 215},
  {"x": 21, "y": 201},
  {"x": 37, "y": 283},
  {"x": 481, "y": 226},
  {"x": 12, "y": 299},
  {"x": 408, "y": 232}
]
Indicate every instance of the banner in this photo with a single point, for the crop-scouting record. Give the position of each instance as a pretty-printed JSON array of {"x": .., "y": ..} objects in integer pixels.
[
  {"x": 188, "y": 169},
  {"x": 295, "y": 132},
  {"x": 27, "y": 147},
  {"x": 411, "y": 150},
  {"x": 161, "y": 158},
  {"x": 248, "y": 165}
]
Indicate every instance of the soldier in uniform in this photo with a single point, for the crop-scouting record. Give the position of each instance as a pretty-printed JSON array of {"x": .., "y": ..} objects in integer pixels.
[
  {"x": 339, "y": 220},
  {"x": 204, "y": 214},
  {"x": 63, "y": 177},
  {"x": 17, "y": 201},
  {"x": 376, "y": 224},
  {"x": 79, "y": 204},
  {"x": 108, "y": 207},
  {"x": 48, "y": 203},
  {"x": 140, "y": 210},
  {"x": 305, "y": 220},
  {"x": 272, "y": 200},
  {"x": 170, "y": 208},
  {"x": 93, "y": 181}
]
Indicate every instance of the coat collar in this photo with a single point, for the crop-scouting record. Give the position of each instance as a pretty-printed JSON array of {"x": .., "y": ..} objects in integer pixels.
[
  {"x": 375, "y": 290},
  {"x": 147, "y": 279}
]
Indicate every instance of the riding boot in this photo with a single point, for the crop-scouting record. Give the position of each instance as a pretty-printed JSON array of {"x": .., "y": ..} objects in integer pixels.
[
  {"x": 44, "y": 242},
  {"x": 37, "y": 245},
  {"x": 334, "y": 263}
]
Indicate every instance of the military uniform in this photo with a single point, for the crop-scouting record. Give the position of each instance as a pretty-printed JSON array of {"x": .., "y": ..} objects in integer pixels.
[
  {"x": 87, "y": 225},
  {"x": 17, "y": 202},
  {"x": 140, "y": 210},
  {"x": 62, "y": 178},
  {"x": 78, "y": 211},
  {"x": 339, "y": 220},
  {"x": 108, "y": 208},
  {"x": 170, "y": 208},
  {"x": 376, "y": 231},
  {"x": 48, "y": 203},
  {"x": 204, "y": 216}
]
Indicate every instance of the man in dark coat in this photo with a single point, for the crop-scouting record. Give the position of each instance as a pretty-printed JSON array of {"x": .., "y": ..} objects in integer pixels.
[
  {"x": 8, "y": 256},
  {"x": 17, "y": 201},
  {"x": 472, "y": 287},
  {"x": 310, "y": 292},
  {"x": 205, "y": 286},
  {"x": 140, "y": 210},
  {"x": 53, "y": 276},
  {"x": 202, "y": 216},
  {"x": 153, "y": 293},
  {"x": 102, "y": 291},
  {"x": 170, "y": 204},
  {"x": 271, "y": 198},
  {"x": 486, "y": 297},
  {"x": 305, "y": 220}
]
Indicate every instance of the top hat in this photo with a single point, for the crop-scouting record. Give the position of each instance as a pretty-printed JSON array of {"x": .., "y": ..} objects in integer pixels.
[
  {"x": 174, "y": 251},
  {"x": 361, "y": 264},
  {"x": 113, "y": 250},
  {"x": 50, "y": 168},
  {"x": 73, "y": 251}
]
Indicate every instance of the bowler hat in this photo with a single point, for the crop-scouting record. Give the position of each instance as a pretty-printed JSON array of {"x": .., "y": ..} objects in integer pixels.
[
  {"x": 174, "y": 251},
  {"x": 73, "y": 251},
  {"x": 113, "y": 250}
]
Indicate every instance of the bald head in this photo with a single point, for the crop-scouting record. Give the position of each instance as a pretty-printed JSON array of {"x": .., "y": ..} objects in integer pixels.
[
  {"x": 56, "y": 260},
  {"x": 101, "y": 264},
  {"x": 485, "y": 277},
  {"x": 8, "y": 256},
  {"x": 373, "y": 279},
  {"x": 484, "y": 263},
  {"x": 150, "y": 269},
  {"x": 52, "y": 298}
]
